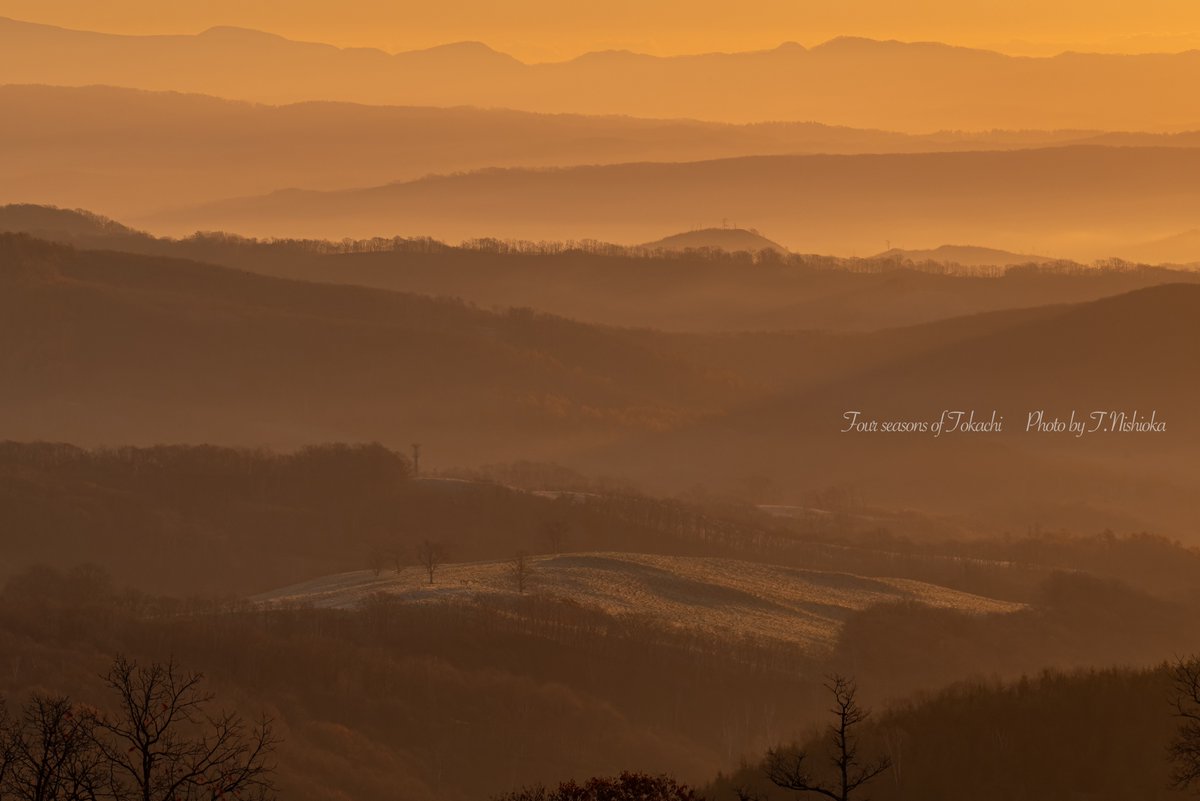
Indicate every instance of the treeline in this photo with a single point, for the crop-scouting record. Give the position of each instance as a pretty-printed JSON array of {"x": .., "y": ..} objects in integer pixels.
[
  {"x": 212, "y": 244},
  {"x": 90, "y": 230},
  {"x": 620, "y": 287},
  {"x": 1011, "y": 566},
  {"x": 210, "y": 520}
]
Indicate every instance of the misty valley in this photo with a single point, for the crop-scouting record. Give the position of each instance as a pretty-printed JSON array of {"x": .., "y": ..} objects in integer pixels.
[{"x": 439, "y": 425}]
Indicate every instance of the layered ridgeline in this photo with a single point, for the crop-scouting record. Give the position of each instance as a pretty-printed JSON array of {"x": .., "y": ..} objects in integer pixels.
[
  {"x": 967, "y": 256},
  {"x": 668, "y": 284},
  {"x": 176, "y": 163},
  {"x": 187, "y": 351},
  {"x": 1081, "y": 202},
  {"x": 846, "y": 81},
  {"x": 117, "y": 348},
  {"x": 133, "y": 152},
  {"x": 1099, "y": 364}
]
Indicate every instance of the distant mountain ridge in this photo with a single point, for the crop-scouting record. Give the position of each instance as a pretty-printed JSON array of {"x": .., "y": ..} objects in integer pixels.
[
  {"x": 1080, "y": 202},
  {"x": 678, "y": 290},
  {"x": 729, "y": 239},
  {"x": 133, "y": 151},
  {"x": 243, "y": 359},
  {"x": 1182, "y": 248},
  {"x": 965, "y": 255},
  {"x": 847, "y": 81}
]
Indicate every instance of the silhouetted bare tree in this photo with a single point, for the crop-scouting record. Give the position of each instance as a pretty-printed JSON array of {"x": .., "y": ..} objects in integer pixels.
[
  {"x": 375, "y": 559},
  {"x": 789, "y": 769},
  {"x": 430, "y": 555},
  {"x": 5, "y": 742},
  {"x": 522, "y": 571},
  {"x": 161, "y": 745},
  {"x": 1185, "y": 747},
  {"x": 48, "y": 753}
]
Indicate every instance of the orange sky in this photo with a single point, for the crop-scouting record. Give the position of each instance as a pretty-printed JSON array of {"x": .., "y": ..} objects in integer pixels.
[{"x": 553, "y": 29}]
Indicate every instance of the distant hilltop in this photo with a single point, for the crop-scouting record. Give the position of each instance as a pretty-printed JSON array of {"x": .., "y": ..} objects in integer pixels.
[
  {"x": 965, "y": 255},
  {"x": 729, "y": 239}
]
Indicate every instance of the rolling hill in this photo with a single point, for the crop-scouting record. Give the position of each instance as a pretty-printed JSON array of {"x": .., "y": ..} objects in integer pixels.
[
  {"x": 728, "y": 239},
  {"x": 614, "y": 286},
  {"x": 964, "y": 255},
  {"x": 846, "y": 81},
  {"x": 721, "y": 599},
  {"x": 133, "y": 152},
  {"x": 1118, "y": 354},
  {"x": 245, "y": 359},
  {"x": 1181, "y": 248},
  {"x": 107, "y": 347},
  {"x": 1080, "y": 202}
]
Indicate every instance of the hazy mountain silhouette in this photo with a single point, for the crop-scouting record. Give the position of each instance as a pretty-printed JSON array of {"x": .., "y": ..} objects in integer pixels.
[
  {"x": 71, "y": 225},
  {"x": 1075, "y": 201},
  {"x": 1120, "y": 353},
  {"x": 728, "y": 239},
  {"x": 133, "y": 151},
  {"x": 965, "y": 255},
  {"x": 1181, "y": 248},
  {"x": 846, "y": 81},
  {"x": 629, "y": 287},
  {"x": 114, "y": 347}
]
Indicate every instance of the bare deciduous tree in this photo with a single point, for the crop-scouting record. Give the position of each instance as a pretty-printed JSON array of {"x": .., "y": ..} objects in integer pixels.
[
  {"x": 1185, "y": 747},
  {"x": 789, "y": 769},
  {"x": 48, "y": 753},
  {"x": 521, "y": 570},
  {"x": 430, "y": 555},
  {"x": 375, "y": 559},
  {"x": 6, "y": 753},
  {"x": 161, "y": 745}
]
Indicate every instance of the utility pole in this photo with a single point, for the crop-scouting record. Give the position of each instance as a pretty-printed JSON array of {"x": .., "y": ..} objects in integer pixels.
[{"x": 416, "y": 450}]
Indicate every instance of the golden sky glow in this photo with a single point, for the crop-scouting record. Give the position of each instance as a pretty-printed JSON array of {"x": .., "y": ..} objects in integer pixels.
[{"x": 536, "y": 30}]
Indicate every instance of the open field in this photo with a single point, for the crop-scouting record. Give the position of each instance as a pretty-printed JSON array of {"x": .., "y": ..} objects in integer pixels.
[{"x": 723, "y": 598}]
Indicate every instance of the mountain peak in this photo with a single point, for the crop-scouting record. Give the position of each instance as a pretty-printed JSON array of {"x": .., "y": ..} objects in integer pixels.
[
  {"x": 472, "y": 50},
  {"x": 232, "y": 32},
  {"x": 729, "y": 239},
  {"x": 965, "y": 255}
]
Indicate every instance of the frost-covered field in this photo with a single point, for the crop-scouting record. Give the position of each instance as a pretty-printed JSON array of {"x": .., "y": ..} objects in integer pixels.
[{"x": 723, "y": 597}]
